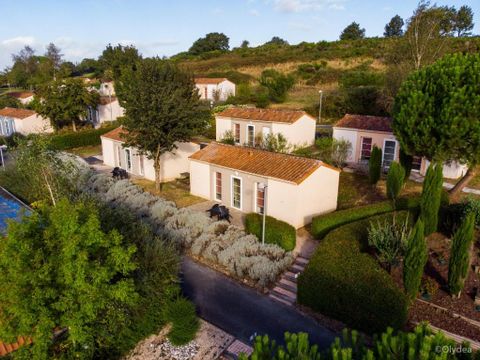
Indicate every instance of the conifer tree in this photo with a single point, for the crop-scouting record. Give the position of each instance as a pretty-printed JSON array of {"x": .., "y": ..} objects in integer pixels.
[
  {"x": 415, "y": 260},
  {"x": 431, "y": 197},
  {"x": 395, "y": 179},
  {"x": 375, "y": 165}
]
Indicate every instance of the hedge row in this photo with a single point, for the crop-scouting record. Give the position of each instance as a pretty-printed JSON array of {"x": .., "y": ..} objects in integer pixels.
[
  {"x": 344, "y": 282},
  {"x": 323, "y": 224},
  {"x": 276, "y": 231},
  {"x": 81, "y": 138}
]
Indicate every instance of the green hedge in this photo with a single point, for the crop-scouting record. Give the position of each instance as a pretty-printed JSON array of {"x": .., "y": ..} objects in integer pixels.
[
  {"x": 344, "y": 282},
  {"x": 276, "y": 231},
  {"x": 181, "y": 314},
  {"x": 81, "y": 138},
  {"x": 323, "y": 224}
]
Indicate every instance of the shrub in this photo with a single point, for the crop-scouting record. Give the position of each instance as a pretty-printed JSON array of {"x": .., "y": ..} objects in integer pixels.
[
  {"x": 277, "y": 84},
  {"x": 344, "y": 282},
  {"x": 460, "y": 255},
  {"x": 81, "y": 138},
  {"x": 406, "y": 161},
  {"x": 375, "y": 165},
  {"x": 472, "y": 205},
  {"x": 395, "y": 180},
  {"x": 415, "y": 260},
  {"x": 228, "y": 138},
  {"x": 323, "y": 224},
  {"x": 332, "y": 151},
  {"x": 431, "y": 198},
  {"x": 181, "y": 314},
  {"x": 276, "y": 231}
]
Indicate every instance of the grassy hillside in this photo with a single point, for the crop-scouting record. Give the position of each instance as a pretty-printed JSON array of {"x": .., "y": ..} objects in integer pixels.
[{"x": 352, "y": 74}]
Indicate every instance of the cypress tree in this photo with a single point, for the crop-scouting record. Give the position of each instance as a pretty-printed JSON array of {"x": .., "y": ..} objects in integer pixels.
[
  {"x": 406, "y": 161},
  {"x": 415, "y": 260},
  {"x": 460, "y": 255},
  {"x": 395, "y": 179},
  {"x": 375, "y": 165},
  {"x": 431, "y": 198}
]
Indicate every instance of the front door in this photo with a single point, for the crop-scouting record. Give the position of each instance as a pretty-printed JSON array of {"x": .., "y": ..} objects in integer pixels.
[
  {"x": 237, "y": 193},
  {"x": 389, "y": 149}
]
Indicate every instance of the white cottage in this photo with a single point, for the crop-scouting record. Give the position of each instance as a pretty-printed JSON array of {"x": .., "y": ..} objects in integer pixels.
[
  {"x": 290, "y": 188},
  {"x": 173, "y": 164},
  {"x": 22, "y": 121},
  {"x": 250, "y": 124},
  {"x": 25, "y": 97},
  {"x": 108, "y": 109},
  {"x": 216, "y": 89}
]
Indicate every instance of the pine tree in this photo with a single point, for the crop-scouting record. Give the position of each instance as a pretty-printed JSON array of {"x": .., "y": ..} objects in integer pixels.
[
  {"x": 375, "y": 165},
  {"x": 460, "y": 255},
  {"x": 431, "y": 196},
  {"x": 406, "y": 161},
  {"x": 395, "y": 179},
  {"x": 415, "y": 260}
]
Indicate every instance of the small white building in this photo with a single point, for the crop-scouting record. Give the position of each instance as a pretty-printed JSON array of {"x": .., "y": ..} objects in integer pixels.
[
  {"x": 173, "y": 164},
  {"x": 22, "y": 121},
  {"x": 108, "y": 109},
  {"x": 215, "y": 89},
  {"x": 290, "y": 188},
  {"x": 364, "y": 131},
  {"x": 107, "y": 88},
  {"x": 25, "y": 97},
  {"x": 249, "y": 125}
]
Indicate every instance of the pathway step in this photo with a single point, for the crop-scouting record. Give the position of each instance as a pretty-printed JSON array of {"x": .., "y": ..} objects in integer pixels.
[
  {"x": 296, "y": 269},
  {"x": 280, "y": 300},
  {"x": 301, "y": 260},
  {"x": 289, "y": 275},
  {"x": 288, "y": 285},
  {"x": 283, "y": 297},
  {"x": 285, "y": 292}
]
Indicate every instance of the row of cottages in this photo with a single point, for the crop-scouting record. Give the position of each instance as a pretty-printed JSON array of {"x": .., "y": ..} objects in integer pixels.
[
  {"x": 172, "y": 164},
  {"x": 363, "y": 132},
  {"x": 249, "y": 125},
  {"x": 290, "y": 188},
  {"x": 215, "y": 89},
  {"x": 22, "y": 121}
]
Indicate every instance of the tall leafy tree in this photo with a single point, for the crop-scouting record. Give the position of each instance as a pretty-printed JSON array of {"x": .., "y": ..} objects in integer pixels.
[
  {"x": 54, "y": 55},
  {"x": 68, "y": 285},
  {"x": 436, "y": 113},
  {"x": 463, "y": 23},
  {"x": 115, "y": 58},
  {"x": 352, "y": 32},
  {"x": 431, "y": 198},
  {"x": 66, "y": 102},
  {"x": 277, "y": 41},
  {"x": 460, "y": 255},
  {"x": 162, "y": 108},
  {"x": 211, "y": 42},
  {"x": 415, "y": 259},
  {"x": 395, "y": 27}
]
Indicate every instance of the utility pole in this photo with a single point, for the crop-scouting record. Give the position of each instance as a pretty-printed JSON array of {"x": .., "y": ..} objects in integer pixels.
[{"x": 320, "y": 107}]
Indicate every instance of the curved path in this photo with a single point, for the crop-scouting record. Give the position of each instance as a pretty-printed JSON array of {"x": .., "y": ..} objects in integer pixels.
[{"x": 242, "y": 311}]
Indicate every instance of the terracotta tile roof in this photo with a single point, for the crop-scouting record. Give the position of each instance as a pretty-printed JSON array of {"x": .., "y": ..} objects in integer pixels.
[
  {"x": 365, "y": 122},
  {"x": 105, "y": 100},
  {"x": 259, "y": 162},
  {"x": 16, "y": 113},
  {"x": 202, "y": 80},
  {"x": 115, "y": 134},
  {"x": 270, "y": 115},
  {"x": 20, "y": 94},
  {"x": 8, "y": 348}
]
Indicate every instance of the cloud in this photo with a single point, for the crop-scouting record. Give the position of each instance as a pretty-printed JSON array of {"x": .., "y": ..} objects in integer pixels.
[
  {"x": 254, "y": 12},
  {"x": 18, "y": 41},
  {"x": 295, "y": 6}
]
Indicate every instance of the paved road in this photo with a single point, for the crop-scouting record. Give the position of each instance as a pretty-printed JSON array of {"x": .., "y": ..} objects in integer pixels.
[{"x": 241, "y": 311}]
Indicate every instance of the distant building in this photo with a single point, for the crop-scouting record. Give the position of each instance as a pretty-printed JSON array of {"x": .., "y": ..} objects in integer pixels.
[
  {"x": 250, "y": 124},
  {"x": 22, "y": 121},
  {"x": 25, "y": 97},
  {"x": 107, "y": 88},
  {"x": 108, "y": 109},
  {"x": 215, "y": 89}
]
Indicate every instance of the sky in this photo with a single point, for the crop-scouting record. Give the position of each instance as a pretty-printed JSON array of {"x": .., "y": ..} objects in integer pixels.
[{"x": 82, "y": 28}]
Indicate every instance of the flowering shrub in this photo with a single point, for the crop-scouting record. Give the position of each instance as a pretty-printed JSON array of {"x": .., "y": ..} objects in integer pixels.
[{"x": 215, "y": 242}]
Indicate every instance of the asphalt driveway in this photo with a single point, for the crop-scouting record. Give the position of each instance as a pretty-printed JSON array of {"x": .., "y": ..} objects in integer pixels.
[{"x": 242, "y": 311}]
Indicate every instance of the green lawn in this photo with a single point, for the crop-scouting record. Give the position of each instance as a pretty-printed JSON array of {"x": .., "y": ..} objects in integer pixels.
[{"x": 86, "y": 151}]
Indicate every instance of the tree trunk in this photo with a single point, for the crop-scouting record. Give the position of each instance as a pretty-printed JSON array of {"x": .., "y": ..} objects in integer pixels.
[
  {"x": 457, "y": 189},
  {"x": 74, "y": 126},
  {"x": 156, "y": 165},
  {"x": 50, "y": 191}
]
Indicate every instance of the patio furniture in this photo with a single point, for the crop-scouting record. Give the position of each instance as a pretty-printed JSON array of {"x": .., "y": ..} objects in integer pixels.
[
  {"x": 119, "y": 174},
  {"x": 220, "y": 211}
]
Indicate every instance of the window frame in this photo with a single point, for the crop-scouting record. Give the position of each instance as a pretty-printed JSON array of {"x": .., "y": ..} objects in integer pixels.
[
  {"x": 232, "y": 200},
  {"x": 235, "y": 138},
  {"x": 362, "y": 157},
  {"x": 218, "y": 176},
  {"x": 251, "y": 126}
]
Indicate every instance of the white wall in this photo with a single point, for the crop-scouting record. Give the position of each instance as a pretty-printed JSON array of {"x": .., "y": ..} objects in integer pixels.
[
  {"x": 200, "y": 183},
  {"x": 349, "y": 135},
  {"x": 33, "y": 125},
  {"x": 222, "y": 125},
  {"x": 108, "y": 152},
  {"x": 451, "y": 170},
  {"x": 104, "y": 112},
  {"x": 300, "y": 133},
  {"x": 227, "y": 88}
]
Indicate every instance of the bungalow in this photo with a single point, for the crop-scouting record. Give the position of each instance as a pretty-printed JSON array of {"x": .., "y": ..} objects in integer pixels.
[
  {"x": 250, "y": 124},
  {"x": 108, "y": 109},
  {"x": 173, "y": 164},
  {"x": 290, "y": 188},
  {"x": 216, "y": 89},
  {"x": 364, "y": 132},
  {"x": 25, "y": 97},
  {"x": 22, "y": 121}
]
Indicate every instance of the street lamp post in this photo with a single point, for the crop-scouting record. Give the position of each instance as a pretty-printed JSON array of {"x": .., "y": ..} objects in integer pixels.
[
  {"x": 320, "y": 107},
  {"x": 263, "y": 186},
  {"x": 2, "y": 148}
]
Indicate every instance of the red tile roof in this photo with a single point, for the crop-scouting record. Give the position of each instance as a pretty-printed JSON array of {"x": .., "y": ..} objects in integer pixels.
[
  {"x": 203, "y": 80},
  {"x": 105, "y": 100},
  {"x": 16, "y": 113},
  {"x": 8, "y": 348},
  {"x": 20, "y": 94},
  {"x": 115, "y": 134},
  {"x": 259, "y": 162},
  {"x": 366, "y": 122},
  {"x": 270, "y": 115}
]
